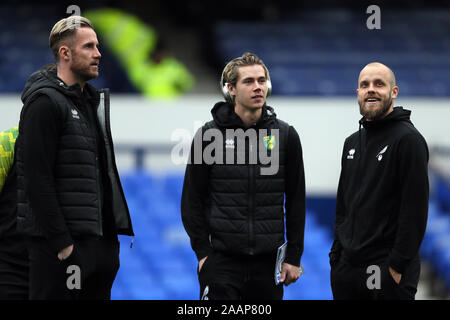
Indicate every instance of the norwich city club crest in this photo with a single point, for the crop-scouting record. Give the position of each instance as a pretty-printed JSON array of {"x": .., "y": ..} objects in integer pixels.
[{"x": 269, "y": 142}]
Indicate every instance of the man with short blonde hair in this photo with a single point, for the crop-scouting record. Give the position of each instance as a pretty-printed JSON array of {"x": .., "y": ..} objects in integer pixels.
[
  {"x": 63, "y": 32},
  {"x": 70, "y": 201}
]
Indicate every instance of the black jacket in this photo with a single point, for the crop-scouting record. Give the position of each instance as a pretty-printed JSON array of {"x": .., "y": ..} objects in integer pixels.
[
  {"x": 382, "y": 200},
  {"x": 234, "y": 207},
  {"x": 68, "y": 184},
  {"x": 8, "y": 205}
]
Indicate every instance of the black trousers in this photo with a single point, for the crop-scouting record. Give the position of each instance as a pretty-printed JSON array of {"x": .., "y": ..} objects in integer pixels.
[
  {"x": 88, "y": 273},
  {"x": 232, "y": 277},
  {"x": 13, "y": 269},
  {"x": 359, "y": 282}
]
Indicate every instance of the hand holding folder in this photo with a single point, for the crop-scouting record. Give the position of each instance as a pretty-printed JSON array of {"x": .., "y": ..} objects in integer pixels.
[{"x": 292, "y": 273}]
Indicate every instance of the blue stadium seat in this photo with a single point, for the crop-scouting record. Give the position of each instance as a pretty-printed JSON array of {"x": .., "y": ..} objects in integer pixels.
[
  {"x": 314, "y": 40},
  {"x": 162, "y": 265},
  {"x": 443, "y": 193},
  {"x": 162, "y": 248},
  {"x": 24, "y": 45},
  {"x": 437, "y": 225}
]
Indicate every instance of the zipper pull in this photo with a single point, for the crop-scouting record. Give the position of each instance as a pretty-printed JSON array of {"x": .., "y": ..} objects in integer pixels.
[{"x": 132, "y": 240}]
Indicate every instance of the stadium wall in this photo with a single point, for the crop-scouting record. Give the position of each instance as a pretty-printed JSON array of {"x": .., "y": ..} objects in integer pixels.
[{"x": 322, "y": 123}]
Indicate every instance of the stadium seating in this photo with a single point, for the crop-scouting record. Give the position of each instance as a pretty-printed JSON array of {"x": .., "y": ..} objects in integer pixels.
[
  {"x": 308, "y": 53},
  {"x": 442, "y": 191},
  {"x": 161, "y": 263},
  {"x": 436, "y": 243},
  {"x": 24, "y": 48},
  {"x": 321, "y": 53}
]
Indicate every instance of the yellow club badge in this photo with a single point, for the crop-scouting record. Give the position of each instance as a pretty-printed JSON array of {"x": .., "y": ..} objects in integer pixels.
[{"x": 269, "y": 142}]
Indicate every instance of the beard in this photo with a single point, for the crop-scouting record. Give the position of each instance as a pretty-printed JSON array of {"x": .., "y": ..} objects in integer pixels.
[
  {"x": 83, "y": 70},
  {"x": 375, "y": 113}
]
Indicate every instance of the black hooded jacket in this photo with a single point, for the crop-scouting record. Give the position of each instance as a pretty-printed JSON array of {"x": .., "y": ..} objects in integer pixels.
[
  {"x": 232, "y": 206},
  {"x": 382, "y": 200},
  {"x": 68, "y": 184}
]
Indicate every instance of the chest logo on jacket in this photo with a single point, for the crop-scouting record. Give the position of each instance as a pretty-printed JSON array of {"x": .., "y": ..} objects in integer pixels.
[
  {"x": 237, "y": 141},
  {"x": 351, "y": 154},
  {"x": 269, "y": 142},
  {"x": 380, "y": 154},
  {"x": 75, "y": 114}
]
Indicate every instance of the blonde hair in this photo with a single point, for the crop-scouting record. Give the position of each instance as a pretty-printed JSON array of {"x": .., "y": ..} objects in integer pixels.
[
  {"x": 64, "y": 30},
  {"x": 230, "y": 72}
]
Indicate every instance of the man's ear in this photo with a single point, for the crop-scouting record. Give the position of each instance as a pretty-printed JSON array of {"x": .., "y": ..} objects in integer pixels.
[
  {"x": 394, "y": 92},
  {"x": 231, "y": 89},
  {"x": 65, "y": 53}
]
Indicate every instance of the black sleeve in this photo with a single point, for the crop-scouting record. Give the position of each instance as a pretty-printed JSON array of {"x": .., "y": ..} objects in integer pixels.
[
  {"x": 414, "y": 195},
  {"x": 194, "y": 202},
  {"x": 336, "y": 248},
  {"x": 8, "y": 208},
  {"x": 295, "y": 199},
  {"x": 41, "y": 124}
]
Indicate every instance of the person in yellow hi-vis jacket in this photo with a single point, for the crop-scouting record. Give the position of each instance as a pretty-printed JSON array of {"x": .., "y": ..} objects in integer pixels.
[
  {"x": 13, "y": 252},
  {"x": 7, "y": 141},
  {"x": 135, "y": 45}
]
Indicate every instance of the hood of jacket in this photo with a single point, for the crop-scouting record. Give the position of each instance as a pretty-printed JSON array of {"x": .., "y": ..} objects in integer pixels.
[
  {"x": 49, "y": 79},
  {"x": 224, "y": 116},
  {"x": 398, "y": 114}
]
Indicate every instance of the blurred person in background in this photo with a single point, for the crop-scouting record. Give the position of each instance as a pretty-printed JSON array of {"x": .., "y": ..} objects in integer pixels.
[
  {"x": 70, "y": 201},
  {"x": 142, "y": 54},
  {"x": 233, "y": 214},
  {"x": 13, "y": 251},
  {"x": 382, "y": 198}
]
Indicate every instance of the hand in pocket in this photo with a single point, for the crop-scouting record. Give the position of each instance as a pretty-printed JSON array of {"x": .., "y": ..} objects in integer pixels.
[
  {"x": 395, "y": 275},
  {"x": 201, "y": 262},
  {"x": 65, "y": 253}
]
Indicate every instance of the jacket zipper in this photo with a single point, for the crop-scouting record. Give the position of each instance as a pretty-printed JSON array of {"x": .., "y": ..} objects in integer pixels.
[
  {"x": 99, "y": 195},
  {"x": 358, "y": 169},
  {"x": 93, "y": 116},
  {"x": 251, "y": 205}
]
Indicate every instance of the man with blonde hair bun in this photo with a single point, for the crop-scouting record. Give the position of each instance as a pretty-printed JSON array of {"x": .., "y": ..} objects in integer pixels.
[{"x": 71, "y": 204}]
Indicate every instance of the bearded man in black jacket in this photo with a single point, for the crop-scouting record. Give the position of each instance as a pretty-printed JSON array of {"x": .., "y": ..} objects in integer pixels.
[
  {"x": 382, "y": 198},
  {"x": 71, "y": 204},
  {"x": 233, "y": 202}
]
